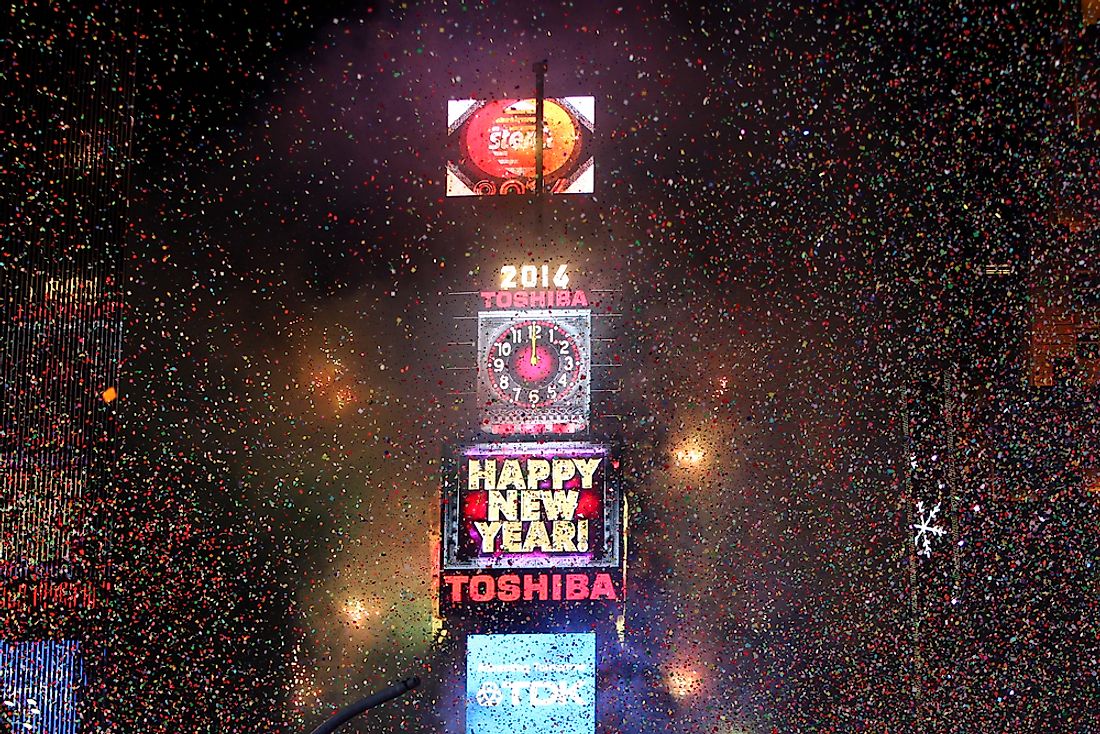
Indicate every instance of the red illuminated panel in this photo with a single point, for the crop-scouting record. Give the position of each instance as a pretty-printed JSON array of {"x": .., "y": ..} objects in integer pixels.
[
  {"x": 576, "y": 586},
  {"x": 491, "y": 146}
]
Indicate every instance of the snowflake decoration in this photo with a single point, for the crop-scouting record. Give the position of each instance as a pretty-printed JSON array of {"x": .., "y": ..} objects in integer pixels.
[{"x": 925, "y": 529}]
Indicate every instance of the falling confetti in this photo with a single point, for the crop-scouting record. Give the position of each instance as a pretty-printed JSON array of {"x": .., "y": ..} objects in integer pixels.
[{"x": 843, "y": 264}]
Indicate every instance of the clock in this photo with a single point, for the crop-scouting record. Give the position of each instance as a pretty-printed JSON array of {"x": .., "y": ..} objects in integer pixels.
[
  {"x": 533, "y": 362},
  {"x": 534, "y": 370}
]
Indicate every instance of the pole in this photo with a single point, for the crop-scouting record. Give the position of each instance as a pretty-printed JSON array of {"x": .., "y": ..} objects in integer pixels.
[
  {"x": 540, "y": 97},
  {"x": 915, "y": 612},
  {"x": 348, "y": 713}
]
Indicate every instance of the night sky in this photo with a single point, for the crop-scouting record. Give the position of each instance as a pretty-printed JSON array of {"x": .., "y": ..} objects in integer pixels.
[{"x": 794, "y": 202}]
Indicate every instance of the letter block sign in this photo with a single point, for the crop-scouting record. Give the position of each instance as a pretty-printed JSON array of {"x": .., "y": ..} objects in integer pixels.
[{"x": 531, "y": 522}]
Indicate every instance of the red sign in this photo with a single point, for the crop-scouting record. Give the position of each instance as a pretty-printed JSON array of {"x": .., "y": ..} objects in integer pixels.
[
  {"x": 526, "y": 586},
  {"x": 534, "y": 299}
]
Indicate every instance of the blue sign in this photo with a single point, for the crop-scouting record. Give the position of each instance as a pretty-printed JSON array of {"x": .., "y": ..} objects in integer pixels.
[
  {"x": 39, "y": 685},
  {"x": 531, "y": 684}
]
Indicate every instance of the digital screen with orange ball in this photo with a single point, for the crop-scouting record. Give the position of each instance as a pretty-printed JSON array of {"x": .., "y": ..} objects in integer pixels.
[{"x": 491, "y": 146}]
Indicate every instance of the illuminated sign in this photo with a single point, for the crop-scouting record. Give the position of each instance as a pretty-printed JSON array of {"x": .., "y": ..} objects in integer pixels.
[
  {"x": 48, "y": 593},
  {"x": 534, "y": 370},
  {"x": 533, "y": 276},
  {"x": 533, "y": 299},
  {"x": 531, "y": 286},
  {"x": 548, "y": 505},
  {"x": 491, "y": 146},
  {"x": 500, "y": 586},
  {"x": 531, "y": 684},
  {"x": 39, "y": 682}
]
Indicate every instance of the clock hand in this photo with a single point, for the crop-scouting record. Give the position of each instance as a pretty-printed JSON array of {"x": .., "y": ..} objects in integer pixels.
[{"x": 534, "y": 351}]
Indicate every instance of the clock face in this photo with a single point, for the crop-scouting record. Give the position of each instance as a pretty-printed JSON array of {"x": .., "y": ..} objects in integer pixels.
[
  {"x": 534, "y": 371},
  {"x": 533, "y": 362}
]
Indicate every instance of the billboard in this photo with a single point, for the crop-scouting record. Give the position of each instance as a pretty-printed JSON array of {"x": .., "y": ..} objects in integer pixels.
[
  {"x": 531, "y": 522},
  {"x": 40, "y": 682},
  {"x": 491, "y": 146},
  {"x": 531, "y": 684},
  {"x": 461, "y": 590},
  {"x": 549, "y": 505}
]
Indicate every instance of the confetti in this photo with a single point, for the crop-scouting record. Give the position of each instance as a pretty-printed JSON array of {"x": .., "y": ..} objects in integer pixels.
[{"x": 841, "y": 262}]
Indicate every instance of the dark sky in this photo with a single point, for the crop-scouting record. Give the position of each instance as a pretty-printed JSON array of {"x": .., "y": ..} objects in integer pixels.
[{"x": 786, "y": 196}]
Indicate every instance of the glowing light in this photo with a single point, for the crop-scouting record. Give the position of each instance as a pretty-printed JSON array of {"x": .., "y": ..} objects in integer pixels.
[
  {"x": 344, "y": 397},
  {"x": 690, "y": 455},
  {"x": 357, "y": 611},
  {"x": 684, "y": 681},
  {"x": 109, "y": 395},
  {"x": 328, "y": 383},
  {"x": 304, "y": 696}
]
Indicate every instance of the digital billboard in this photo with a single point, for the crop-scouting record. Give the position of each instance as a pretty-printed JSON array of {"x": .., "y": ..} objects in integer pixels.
[
  {"x": 491, "y": 146},
  {"x": 527, "y": 522},
  {"x": 40, "y": 682},
  {"x": 531, "y": 684},
  {"x": 531, "y": 505}
]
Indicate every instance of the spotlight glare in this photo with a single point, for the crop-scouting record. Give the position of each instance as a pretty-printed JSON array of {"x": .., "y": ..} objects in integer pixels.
[
  {"x": 356, "y": 611},
  {"x": 690, "y": 456},
  {"x": 684, "y": 681}
]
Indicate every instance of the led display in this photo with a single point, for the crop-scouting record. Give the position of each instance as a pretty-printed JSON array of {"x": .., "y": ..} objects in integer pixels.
[
  {"x": 40, "y": 682},
  {"x": 531, "y": 505},
  {"x": 531, "y": 684},
  {"x": 491, "y": 146}
]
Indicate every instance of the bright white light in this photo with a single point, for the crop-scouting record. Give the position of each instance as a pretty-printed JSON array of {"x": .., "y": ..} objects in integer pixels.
[
  {"x": 690, "y": 455},
  {"x": 357, "y": 611},
  {"x": 684, "y": 681}
]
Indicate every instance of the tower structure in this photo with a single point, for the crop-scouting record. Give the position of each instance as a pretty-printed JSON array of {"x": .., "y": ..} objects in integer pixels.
[{"x": 532, "y": 548}]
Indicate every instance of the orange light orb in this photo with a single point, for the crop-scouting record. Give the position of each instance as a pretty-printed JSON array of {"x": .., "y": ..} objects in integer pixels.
[
  {"x": 684, "y": 681},
  {"x": 690, "y": 455}
]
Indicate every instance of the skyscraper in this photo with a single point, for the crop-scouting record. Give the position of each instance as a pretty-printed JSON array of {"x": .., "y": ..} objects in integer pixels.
[{"x": 67, "y": 127}]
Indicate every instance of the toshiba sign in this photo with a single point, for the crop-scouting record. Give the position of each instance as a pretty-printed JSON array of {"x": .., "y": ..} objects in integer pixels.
[{"x": 461, "y": 588}]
